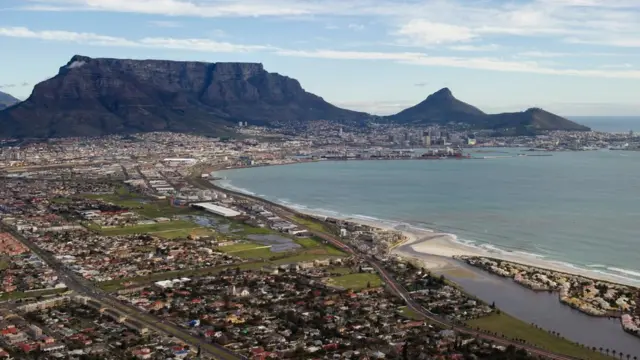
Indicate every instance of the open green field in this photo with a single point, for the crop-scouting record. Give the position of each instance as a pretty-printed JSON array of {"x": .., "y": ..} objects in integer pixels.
[
  {"x": 23, "y": 295},
  {"x": 340, "y": 270},
  {"x": 308, "y": 243},
  {"x": 312, "y": 224},
  {"x": 5, "y": 262},
  {"x": 410, "y": 314},
  {"x": 248, "y": 250},
  {"x": 357, "y": 281},
  {"x": 145, "y": 229},
  {"x": 147, "y": 207},
  {"x": 510, "y": 327},
  {"x": 184, "y": 233}
]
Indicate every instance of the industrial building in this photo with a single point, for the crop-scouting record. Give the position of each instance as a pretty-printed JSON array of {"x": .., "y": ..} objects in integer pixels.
[{"x": 217, "y": 209}]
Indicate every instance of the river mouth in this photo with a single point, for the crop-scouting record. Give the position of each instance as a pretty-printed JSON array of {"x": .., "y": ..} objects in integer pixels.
[{"x": 540, "y": 308}]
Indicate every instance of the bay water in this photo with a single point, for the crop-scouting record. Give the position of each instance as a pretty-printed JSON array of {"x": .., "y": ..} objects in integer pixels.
[{"x": 578, "y": 208}]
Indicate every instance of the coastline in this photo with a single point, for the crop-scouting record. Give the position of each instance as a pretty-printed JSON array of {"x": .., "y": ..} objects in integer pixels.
[{"x": 436, "y": 250}]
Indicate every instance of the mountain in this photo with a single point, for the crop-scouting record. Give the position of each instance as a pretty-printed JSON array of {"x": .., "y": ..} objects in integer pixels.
[
  {"x": 442, "y": 107},
  {"x": 438, "y": 108},
  {"x": 7, "y": 100},
  {"x": 92, "y": 97}
]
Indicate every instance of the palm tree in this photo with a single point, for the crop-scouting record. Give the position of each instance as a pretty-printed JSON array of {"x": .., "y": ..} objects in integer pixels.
[
  {"x": 614, "y": 353},
  {"x": 607, "y": 351}
]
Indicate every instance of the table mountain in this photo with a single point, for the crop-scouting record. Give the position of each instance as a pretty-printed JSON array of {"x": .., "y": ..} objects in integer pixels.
[
  {"x": 442, "y": 107},
  {"x": 7, "y": 100},
  {"x": 92, "y": 97}
]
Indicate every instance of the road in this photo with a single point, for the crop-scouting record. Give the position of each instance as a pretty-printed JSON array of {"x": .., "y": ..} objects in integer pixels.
[
  {"x": 393, "y": 285},
  {"x": 84, "y": 287}
]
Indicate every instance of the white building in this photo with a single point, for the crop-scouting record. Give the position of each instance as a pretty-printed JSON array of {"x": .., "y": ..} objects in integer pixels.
[{"x": 217, "y": 209}]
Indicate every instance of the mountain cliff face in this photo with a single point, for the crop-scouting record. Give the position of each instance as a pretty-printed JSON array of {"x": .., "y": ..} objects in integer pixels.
[
  {"x": 7, "y": 100},
  {"x": 442, "y": 107},
  {"x": 92, "y": 97}
]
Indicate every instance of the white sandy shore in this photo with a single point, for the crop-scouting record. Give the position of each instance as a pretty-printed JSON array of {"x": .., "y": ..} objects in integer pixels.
[{"x": 436, "y": 250}]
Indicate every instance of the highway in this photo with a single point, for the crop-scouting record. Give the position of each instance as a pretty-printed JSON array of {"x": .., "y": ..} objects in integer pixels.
[
  {"x": 393, "y": 285},
  {"x": 84, "y": 287}
]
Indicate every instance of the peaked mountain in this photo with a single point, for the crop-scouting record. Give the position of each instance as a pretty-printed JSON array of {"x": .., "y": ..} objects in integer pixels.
[
  {"x": 7, "y": 100},
  {"x": 442, "y": 107},
  {"x": 92, "y": 97},
  {"x": 438, "y": 108}
]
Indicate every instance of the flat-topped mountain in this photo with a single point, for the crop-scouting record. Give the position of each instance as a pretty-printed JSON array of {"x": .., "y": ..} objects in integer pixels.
[
  {"x": 7, "y": 100},
  {"x": 92, "y": 97},
  {"x": 442, "y": 107}
]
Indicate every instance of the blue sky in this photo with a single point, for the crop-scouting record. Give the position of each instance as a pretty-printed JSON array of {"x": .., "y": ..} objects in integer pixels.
[{"x": 573, "y": 57}]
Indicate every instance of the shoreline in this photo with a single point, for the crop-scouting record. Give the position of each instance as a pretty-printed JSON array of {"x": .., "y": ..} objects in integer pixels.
[{"x": 428, "y": 244}]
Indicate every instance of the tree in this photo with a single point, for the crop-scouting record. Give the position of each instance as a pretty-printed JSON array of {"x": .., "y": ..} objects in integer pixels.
[{"x": 368, "y": 284}]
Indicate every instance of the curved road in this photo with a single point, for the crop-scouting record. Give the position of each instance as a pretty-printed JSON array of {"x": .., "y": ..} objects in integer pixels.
[{"x": 397, "y": 288}]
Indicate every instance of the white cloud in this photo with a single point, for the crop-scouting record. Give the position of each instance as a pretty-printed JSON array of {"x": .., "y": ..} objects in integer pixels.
[
  {"x": 204, "y": 45},
  {"x": 165, "y": 23},
  {"x": 69, "y": 36},
  {"x": 414, "y": 58},
  {"x": 426, "y": 33},
  {"x": 487, "y": 47},
  {"x": 617, "y": 66},
  {"x": 356, "y": 27},
  {"x": 420, "y": 23}
]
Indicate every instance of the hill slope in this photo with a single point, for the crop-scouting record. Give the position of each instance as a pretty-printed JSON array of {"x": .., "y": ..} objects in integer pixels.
[
  {"x": 442, "y": 107},
  {"x": 92, "y": 97},
  {"x": 438, "y": 108},
  {"x": 7, "y": 100}
]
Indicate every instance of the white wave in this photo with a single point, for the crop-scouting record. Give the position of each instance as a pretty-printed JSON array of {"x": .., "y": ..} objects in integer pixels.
[
  {"x": 625, "y": 271},
  {"x": 533, "y": 255},
  {"x": 597, "y": 266}
]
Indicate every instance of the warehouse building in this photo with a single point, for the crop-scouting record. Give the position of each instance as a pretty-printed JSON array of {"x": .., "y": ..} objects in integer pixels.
[{"x": 217, "y": 209}]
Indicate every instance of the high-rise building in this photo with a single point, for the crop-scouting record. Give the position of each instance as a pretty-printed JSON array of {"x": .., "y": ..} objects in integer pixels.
[{"x": 426, "y": 139}]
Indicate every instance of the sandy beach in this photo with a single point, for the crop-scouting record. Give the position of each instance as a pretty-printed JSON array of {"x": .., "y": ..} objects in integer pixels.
[
  {"x": 436, "y": 250},
  {"x": 424, "y": 245}
]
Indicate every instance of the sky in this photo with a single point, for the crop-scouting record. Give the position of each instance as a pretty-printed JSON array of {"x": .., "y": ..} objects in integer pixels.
[{"x": 571, "y": 57}]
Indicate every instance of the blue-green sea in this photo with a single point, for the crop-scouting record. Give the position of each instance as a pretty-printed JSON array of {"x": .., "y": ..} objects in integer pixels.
[{"x": 578, "y": 208}]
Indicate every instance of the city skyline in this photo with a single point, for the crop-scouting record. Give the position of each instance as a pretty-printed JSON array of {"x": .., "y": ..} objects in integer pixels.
[{"x": 572, "y": 57}]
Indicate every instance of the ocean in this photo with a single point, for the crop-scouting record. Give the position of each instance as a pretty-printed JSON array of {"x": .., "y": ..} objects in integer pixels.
[
  {"x": 615, "y": 124},
  {"x": 580, "y": 209}
]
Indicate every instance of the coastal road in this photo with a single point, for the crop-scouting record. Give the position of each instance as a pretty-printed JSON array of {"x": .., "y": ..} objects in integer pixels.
[
  {"x": 84, "y": 287},
  {"x": 392, "y": 283}
]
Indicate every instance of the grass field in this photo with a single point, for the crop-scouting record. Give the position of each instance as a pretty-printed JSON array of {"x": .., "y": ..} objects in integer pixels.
[
  {"x": 340, "y": 270},
  {"x": 308, "y": 243},
  {"x": 184, "y": 233},
  {"x": 410, "y": 314},
  {"x": 504, "y": 324},
  {"x": 22, "y": 295},
  {"x": 311, "y": 224},
  {"x": 357, "y": 281},
  {"x": 248, "y": 250},
  {"x": 146, "y": 207},
  {"x": 144, "y": 229}
]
